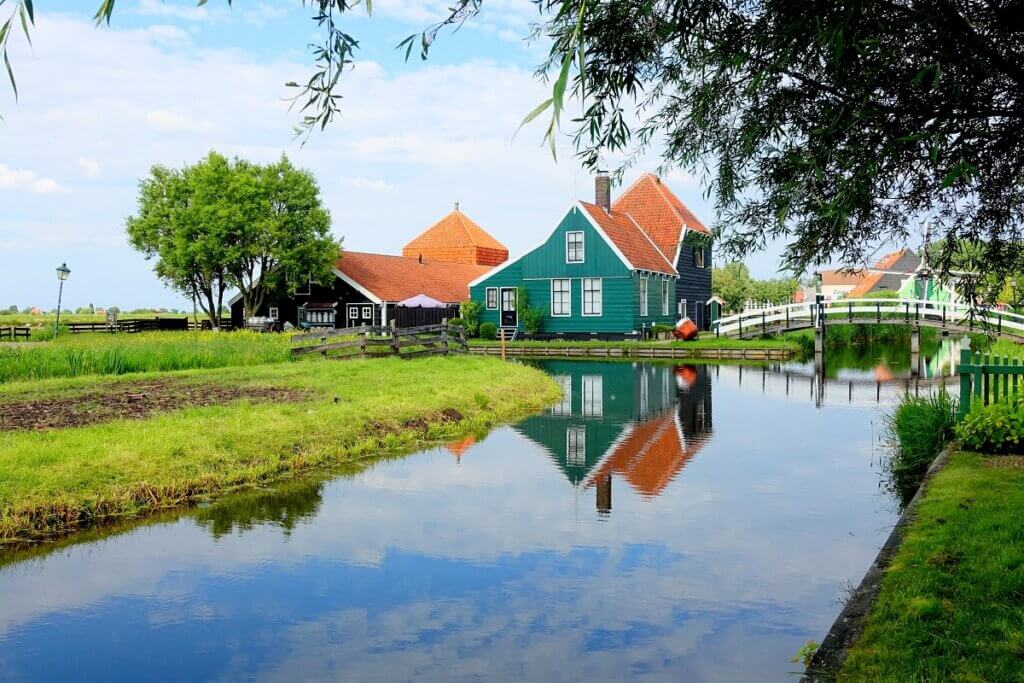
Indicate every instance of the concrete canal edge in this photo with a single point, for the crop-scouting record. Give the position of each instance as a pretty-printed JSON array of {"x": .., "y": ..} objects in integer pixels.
[
  {"x": 639, "y": 352},
  {"x": 849, "y": 625}
]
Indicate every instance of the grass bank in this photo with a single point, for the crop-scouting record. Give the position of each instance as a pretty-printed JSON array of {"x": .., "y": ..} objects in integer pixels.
[
  {"x": 118, "y": 354},
  {"x": 951, "y": 605},
  {"x": 706, "y": 343},
  {"x": 54, "y": 481}
]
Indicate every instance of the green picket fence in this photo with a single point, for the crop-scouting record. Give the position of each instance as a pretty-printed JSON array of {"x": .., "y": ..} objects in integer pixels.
[{"x": 986, "y": 378}]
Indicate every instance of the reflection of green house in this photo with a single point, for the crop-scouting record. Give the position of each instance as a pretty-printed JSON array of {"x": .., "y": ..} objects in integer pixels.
[{"x": 622, "y": 412}]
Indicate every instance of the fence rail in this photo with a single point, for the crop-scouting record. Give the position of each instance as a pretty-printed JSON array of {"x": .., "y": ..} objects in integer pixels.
[
  {"x": 13, "y": 332},
  {"x": 918, "y": 313},
  {"x": 372, "y": 341},
  {"x": 987, "y": 378}
]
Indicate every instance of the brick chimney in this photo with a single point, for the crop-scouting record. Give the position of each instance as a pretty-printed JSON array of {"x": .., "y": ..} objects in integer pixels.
[{"x": 603, "y": 191}]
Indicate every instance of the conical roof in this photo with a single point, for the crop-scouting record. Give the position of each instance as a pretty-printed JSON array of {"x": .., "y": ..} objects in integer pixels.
[{"x": 457, "y": 239}]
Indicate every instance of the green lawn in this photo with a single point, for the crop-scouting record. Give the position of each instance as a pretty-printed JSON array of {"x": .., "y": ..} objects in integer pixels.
[
  {"x": 705, "y": 343},
  {"x": 57, "y": 480},
  {"x": 951, "y": 606}
]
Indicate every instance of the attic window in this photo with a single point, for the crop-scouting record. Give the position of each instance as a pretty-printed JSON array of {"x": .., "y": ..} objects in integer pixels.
[
  {"x": 698, "y": 256},
  {"x": 574, "y": 247}
]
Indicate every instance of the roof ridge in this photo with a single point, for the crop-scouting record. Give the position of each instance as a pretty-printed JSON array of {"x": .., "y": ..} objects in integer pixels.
[{"x": 653, "y": 243}]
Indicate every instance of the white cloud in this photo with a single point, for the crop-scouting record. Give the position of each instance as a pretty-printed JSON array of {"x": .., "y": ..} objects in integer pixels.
[
  {"x": 90, "y": 167},
  {"x": 372, "y": 184},
  {"x": 21, "y": 179},
  {"x": 259, "y": 15},
  {"x": 174, "y": 121}
]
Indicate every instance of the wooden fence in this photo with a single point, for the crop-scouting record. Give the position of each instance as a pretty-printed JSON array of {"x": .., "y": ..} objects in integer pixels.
[
  {"x": 13, "y": 333},
  {"x": 371, "y": 341},
  {"x": 986, "y": 378},
  {"x": 143, "y": 325}
]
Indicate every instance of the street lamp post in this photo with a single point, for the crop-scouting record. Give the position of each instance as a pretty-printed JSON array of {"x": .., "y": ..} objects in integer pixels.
[{"x": 62, "y": 274}]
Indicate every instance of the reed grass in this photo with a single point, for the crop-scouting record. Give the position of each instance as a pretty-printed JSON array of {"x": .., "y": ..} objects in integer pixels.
[
  {"x": 917, "y": 429},
  {"x": 118, "y": 354}
]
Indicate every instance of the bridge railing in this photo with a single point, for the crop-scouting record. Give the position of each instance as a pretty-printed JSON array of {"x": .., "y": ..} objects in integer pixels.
[{"x": 893, "y": 311}]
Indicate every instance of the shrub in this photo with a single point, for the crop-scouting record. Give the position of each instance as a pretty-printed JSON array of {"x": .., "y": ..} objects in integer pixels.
[
  {"x": 661, "y": 328},
  {"x": 457, "y": 322},
  {"x": 488, "y": 331},
  {"x": 916, "y": 431},
  {"x": 532, "y": 316},
  {"x": 995, "y": 428},
  {"x": 470, "y": 312}
]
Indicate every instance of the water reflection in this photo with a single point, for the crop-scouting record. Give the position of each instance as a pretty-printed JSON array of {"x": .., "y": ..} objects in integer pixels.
[
  {"x": 639, "y": 422},
  {"x": 637, "y": 530}
]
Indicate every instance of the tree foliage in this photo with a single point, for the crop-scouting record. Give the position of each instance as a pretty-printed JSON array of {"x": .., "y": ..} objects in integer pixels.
[
  {"x": 732, "y": 282},
  {"x": 221, "y": 224}
]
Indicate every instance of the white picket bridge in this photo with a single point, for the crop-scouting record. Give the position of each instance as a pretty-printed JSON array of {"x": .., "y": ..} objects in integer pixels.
[{"x": 953, "y": 317}]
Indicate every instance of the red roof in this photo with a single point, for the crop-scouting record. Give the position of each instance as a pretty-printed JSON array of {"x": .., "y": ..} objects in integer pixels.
[
  {"x": 633, "y": 242},
  {"x": 658, "y": 212},
  {"x": 457, "y": 239},
  {"x": 396, "y": 278},
  {"x": 650, "y": 456}
]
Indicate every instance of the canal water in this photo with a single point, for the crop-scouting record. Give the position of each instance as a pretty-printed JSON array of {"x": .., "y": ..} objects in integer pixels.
[{"x": 661, "y": 523}]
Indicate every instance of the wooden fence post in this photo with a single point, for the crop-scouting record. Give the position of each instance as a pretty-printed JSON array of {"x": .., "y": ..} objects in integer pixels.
[
  {"x": 444, "y": 336},
  {"x": 965, "y": 377},
  {"x": 362, "y": 341},
  {"x": 395, "y": 348}
]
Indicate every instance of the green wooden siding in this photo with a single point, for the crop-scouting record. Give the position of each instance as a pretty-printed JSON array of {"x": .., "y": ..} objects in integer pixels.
[{"x": 535, "y": 270}]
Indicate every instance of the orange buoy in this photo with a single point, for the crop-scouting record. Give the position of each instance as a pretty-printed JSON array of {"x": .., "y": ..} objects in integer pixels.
[{"x": 686, "y": 329}]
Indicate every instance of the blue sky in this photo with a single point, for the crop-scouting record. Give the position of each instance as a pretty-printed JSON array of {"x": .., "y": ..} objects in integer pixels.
[{"x": 169, "y": 81}]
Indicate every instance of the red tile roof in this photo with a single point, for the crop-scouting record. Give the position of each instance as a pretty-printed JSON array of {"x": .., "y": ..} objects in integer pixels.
[
  {"x": 842, "y": 277},
  {"x": 633, "y": 242},
  {"x": 457, "y": 239},
  {"x": 658, "y": 212},
  {"x": 395, "y": 278},
  {"x": 649, "y": 457}
]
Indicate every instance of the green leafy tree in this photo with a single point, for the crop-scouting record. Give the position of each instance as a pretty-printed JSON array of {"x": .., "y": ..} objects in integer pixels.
[
  {"x": 222, "y": 224},
  {"x": 733, "y": 284}
]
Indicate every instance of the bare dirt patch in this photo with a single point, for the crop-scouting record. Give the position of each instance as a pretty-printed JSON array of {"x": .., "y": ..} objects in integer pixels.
[
  {"x": 131, "y": 401},
  {"x": 1013, "y": 462}
]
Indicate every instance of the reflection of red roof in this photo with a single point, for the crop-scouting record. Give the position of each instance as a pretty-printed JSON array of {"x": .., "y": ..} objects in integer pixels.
[
  {"x": 459, "y": 448},
  {"x": 634, "y": 244},
  {"x": 396, "y": 278},
  {"x": 457, "y": 239},
  {"x": 658, "y": 212},
  {"x": 649, "y": 457}
]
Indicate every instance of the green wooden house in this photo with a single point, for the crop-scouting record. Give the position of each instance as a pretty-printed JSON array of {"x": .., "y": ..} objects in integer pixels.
[{"x": 597, "y": 274}]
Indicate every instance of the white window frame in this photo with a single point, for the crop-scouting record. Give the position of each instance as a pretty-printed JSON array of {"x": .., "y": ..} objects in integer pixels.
[
  {"x": 487, "y": 299},
  {"x": 353, "y": 311},
  {"x": 644, "y": 292},
  {"x": 582, "y": 249},
  {"x": 698, "y": 257},
  {"x": 565, "y": 407},
  {"x": 600, "y": 293},
  {"x": 593, "y": 395},
  {"x": 567, "y": 311},
  {"x": 576, "y": 446},
  {"x": 367, "y": 312},
  {"x": 682, "y": 308},
  {"x": 274, "y": 313},
  {"x": 665, "y": 297}
]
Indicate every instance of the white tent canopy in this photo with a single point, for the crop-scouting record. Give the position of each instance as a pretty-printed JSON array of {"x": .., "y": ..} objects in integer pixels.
[{"x": 423, "y": 301}]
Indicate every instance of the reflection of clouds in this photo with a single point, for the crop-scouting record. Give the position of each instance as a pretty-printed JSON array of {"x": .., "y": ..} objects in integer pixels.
[{"x": 739, "y": 559}]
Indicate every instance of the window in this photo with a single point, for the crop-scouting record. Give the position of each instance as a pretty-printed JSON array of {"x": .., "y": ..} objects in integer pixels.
[
  {"x": 353, "y": 313},
  {"x": 492, "y": 298},
  {"x": 592, "y": 299},
  {"x": 643, "y": 296},
  {"x": 576, "y": 446},
  {"x": 561, "y": 299},
  {"x": 593, "y": 396},
  {"x": 683, "y": 313},
  {"x": 664, "y": 297},
  {"x": 273, "y": 313},
  {"x": 565, "y": 407},
  {"x": 367, "y": 312},
  {"x": 698, "y": 257},
  {"x": 574, "y": 247}
]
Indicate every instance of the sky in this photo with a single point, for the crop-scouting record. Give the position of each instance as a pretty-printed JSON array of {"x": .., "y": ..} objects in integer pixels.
[{"x": 169, "y": 81}]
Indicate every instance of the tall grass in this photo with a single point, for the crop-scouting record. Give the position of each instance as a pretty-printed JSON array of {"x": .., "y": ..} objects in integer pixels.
[
  {"x": 118, "y": 354},
  {"x": 916, "y": 431}
]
